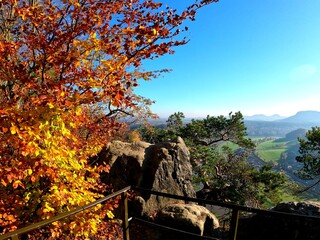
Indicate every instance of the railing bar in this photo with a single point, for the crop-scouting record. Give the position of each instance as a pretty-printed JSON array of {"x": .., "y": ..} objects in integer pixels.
[
  {"x": 234, "y": 224},
  {"x": 226, "y": 205},
  {"x": 125, "y": 223},
  {"x": 62, "y": 215},
  {"x": 15, "y": 237},
  {"x": 174, "y": 229}
]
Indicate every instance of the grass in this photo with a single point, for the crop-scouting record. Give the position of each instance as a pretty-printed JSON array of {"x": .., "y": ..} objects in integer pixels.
[
  {"x": 270, "y": 151},
  {"x": 233, "y": 146},
  {"x": 271, "y": 144},
  {"x": 272, "y": 155},
  {"x": 289, "y": 197}
]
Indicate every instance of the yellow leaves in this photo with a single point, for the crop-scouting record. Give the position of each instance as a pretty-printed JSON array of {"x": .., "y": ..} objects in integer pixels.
[
  {"x": 13, "y": 129},
  {"x": 17, "y": 183},
  {"x": 154, "y": 31},
  {"x": 47, "y": 133},
  {"x": 64, "y": 130},
  {"x": 54, "y": 188},
  {"x": 77, "y": 64},
  {"x": 3, "y": 182},
  {"x": 23, "y": 17},
  {"x": 110, "y": 215},
  {"x": 27, "y": 196},
  {"x": 93, "y": 35},
  {"x": 72, "y": 201},
  {"x": 134, "y": 136},
  {"x": 78, "y": 111},
  {"x": 37, "y": 152},
  {"x": 76, "y": 3},
  {"x": 48, "y": 208},
  {"x": 28, "y": 172},
  {"x": 50, "y": 105}
]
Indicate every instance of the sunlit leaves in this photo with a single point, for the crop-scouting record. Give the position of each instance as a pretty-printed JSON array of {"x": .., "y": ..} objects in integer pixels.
[{"x": 68, "y": 71}]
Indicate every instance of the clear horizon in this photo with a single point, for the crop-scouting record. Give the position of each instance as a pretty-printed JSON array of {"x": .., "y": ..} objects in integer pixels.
[
  {"x": 253, "y": 115},
  {"x": 256, "y": 57}
]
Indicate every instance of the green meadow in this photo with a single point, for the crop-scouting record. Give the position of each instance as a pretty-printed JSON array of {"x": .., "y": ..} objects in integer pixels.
[{"x": 271, "y": 150}]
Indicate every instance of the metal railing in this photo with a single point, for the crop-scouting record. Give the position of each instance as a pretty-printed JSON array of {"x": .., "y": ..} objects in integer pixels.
[
  {"x": 233, "y": 230},
  {"x": 123, "y": 192},
  {"x": 236, "y": 209}
]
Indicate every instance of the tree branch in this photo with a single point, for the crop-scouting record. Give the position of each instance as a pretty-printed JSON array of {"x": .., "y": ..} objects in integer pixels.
[{"x": 307, "y": 188}]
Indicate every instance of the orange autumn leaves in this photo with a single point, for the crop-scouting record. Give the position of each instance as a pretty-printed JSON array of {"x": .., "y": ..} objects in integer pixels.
[{"x": 68, "y": 70}]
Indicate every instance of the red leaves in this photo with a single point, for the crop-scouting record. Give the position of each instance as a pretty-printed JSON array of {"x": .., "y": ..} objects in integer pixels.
[{"x": 68, "y": 73}]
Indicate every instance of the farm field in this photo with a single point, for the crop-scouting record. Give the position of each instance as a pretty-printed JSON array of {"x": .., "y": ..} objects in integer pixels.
[{"x": 271, "y": 149}]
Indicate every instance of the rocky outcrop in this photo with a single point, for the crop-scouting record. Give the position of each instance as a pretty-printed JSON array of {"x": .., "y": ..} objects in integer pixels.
[
  {"x": 163, "y": 167},
  {"x": 308, "y": 208},
  {"x": 188, "y": 217}
]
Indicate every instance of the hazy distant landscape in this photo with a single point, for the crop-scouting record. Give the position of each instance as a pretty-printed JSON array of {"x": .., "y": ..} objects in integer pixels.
[
  {"x": 277, "y": 126},
  {"x": 276, "y": 140}
]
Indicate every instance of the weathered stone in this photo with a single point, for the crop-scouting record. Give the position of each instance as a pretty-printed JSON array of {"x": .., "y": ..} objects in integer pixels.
[
  {"x": 163, "y": 167},
  {"x": 188, "y": 217},
  {"x": 308, "y": 208}
]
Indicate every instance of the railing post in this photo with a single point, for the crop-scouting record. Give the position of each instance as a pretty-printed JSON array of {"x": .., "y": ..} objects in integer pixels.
[
  {"x": 125, "y": 221},
  {"x": 234, "y": 224},
  {"x": 15, "y": 237}
]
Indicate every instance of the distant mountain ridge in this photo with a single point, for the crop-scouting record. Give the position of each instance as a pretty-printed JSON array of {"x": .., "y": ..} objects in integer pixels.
[
  {"x": 299, "y": 117},
  {"x": 279, "y": 128},
  {"x": 262, "y": 117},
  {"x": 303, "y": 116}
]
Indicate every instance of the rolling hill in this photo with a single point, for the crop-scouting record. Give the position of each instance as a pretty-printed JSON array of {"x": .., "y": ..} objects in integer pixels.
[{"x": 303, "y": 117}]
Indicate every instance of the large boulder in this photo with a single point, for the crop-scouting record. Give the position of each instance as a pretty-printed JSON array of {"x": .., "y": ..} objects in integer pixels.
[
  {"x": 163, "y": 167},
  {"x": 188, "y": 217}
]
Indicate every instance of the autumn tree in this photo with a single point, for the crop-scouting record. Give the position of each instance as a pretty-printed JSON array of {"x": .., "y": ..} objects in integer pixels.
[{"x": 68, "y": 70}]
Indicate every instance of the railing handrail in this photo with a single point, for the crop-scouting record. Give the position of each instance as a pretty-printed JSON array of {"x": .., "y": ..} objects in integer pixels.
[
  {"x": 62, "y": 215},
  {"x": 123, "y": 192},
  {"x": 222, "y": 204}
]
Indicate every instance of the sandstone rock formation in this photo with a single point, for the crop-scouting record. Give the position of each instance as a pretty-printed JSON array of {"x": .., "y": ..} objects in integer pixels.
[
  {"x": 189, "y": 217},
  {"x": 163, "y": 167}
]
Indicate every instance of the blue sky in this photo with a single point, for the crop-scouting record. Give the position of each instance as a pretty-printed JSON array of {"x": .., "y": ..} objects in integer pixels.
[{"x": 253, "y": 56}]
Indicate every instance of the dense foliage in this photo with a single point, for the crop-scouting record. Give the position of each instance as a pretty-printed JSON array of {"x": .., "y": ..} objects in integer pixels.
[
  {"x": 219, "y": 150},
  {"x": 309, "y": 154},
  {"x": 68, "y": 70}
]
